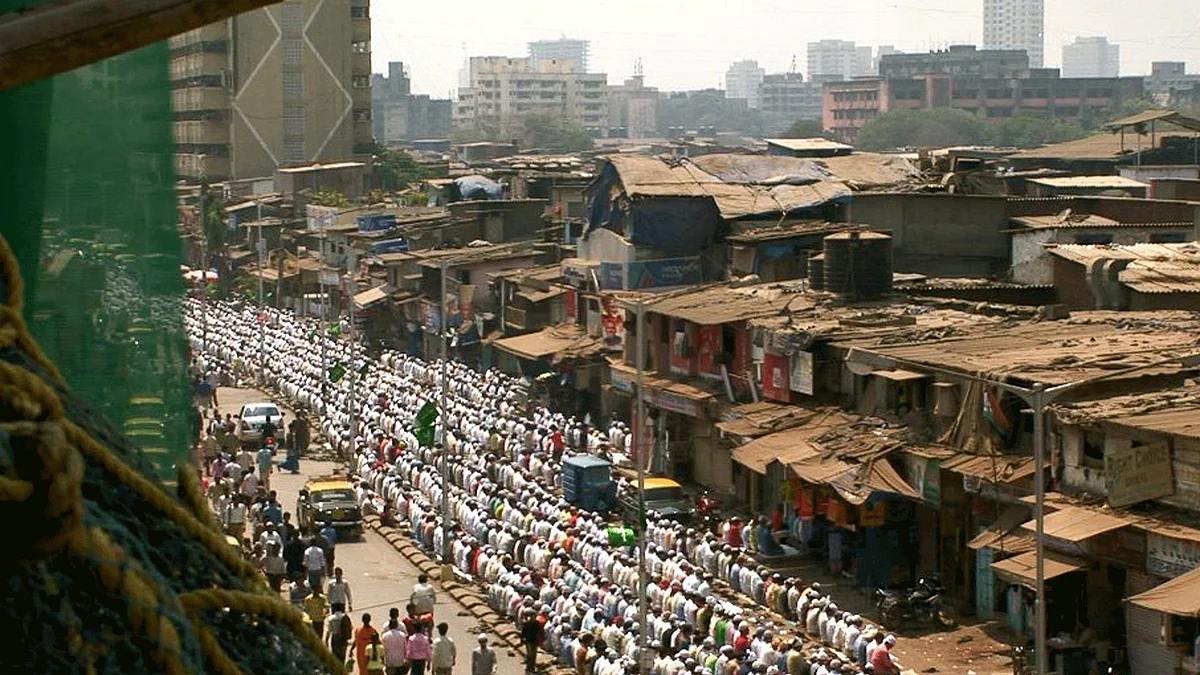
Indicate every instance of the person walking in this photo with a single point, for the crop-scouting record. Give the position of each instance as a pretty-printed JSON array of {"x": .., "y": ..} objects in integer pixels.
[
  {"x": 314, "y": 565},
  {"x": 483, "y": 659},
  {"x": 317, "y": 607},
  {"x": 339, "y": 590},
  {"x": 424, "y": 595},
  {"x": 364, "y": 637},
  {"x": 339, "y": 630},
  {"x": 419, "y": 650},
  {"x": 445, "y": 652},
  {"x": 531, "y": 636},
  {"x": 376, "y": 654},
  {"x": 265, "y": 461},
  {"x": 395, "y": 648}
]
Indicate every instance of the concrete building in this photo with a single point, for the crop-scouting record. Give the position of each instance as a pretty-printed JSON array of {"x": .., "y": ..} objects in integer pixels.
[
  {"x": 399, "y": 115},
  {"x": 1016, "y": 24},
  {"x": 1170, "y": 84},
  {"x": 1091, "y": 57},
  {"x": 504, "y": 91},
  {"x": 633, "y": 109},
  {"x": 285, "y": 85},
  {"x": 961, "y": 60},
  {"x": 563, "y": 49},
  {"x": 788, "y": 94},
  {"x": 742, "y": 81},
  {"x": 839, "y": 58}
]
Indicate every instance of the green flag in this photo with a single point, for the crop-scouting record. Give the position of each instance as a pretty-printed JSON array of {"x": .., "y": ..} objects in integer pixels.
[
  {"x": 336, "y": 372},
  {"x": 312, "y": 334},
  {"x": 427, "y": 414},
  {"x": 621, "y": 536},
  {"x": 424, "y": 436},
  {"x": 335, "y": 330},
  {"x": 364, "y": 369}
]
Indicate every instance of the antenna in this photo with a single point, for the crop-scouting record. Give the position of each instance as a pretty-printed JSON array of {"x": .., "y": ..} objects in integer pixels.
[
  {"x": 793, "y": 63},
  {"x": 637, "y": 67}
]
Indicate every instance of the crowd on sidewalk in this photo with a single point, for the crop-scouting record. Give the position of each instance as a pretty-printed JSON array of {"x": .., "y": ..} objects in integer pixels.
[{"x": 547, "y": 566}]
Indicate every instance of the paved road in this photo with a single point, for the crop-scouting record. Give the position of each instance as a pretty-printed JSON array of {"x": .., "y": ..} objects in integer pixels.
[{"x": 380, "y": 578}]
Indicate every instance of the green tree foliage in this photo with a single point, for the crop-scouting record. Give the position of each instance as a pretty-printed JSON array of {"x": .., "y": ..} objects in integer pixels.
[
  {"x": 938, "y": 127},
  {"x": 1029, "y": 130},
  {"x": 805, "y": 129},
  {"x": 328, "y": 197},
  {"x": 551, "y": 132},
  {"x": 394, "y": 170},
  {"x": 212, "y": 224},
  {"x": 709, "y": 108}
]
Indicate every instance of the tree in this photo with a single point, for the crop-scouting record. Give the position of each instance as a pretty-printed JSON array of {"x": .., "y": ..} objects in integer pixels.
[
  {"x": 328, "y": 197},
  {"x": 394, "y": 170},
  {"x": 805, "y": 129},
  {"x": 1029, "y": 130},
  {"x": 938, "y": 127},
  {"x": 552, "y": 132}
]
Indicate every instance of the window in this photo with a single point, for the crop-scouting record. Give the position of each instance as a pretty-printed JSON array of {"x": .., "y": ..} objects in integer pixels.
[
  {"x": 1093, "y": 238},
  {"x": 293, "y": 86},
  {"x": 464, "y": 277},
  {"x": 360, "y": 12},
  {"x": 360, "y": 81},
  {"x": 362, "y": 115},
  {"x": 361, "y": 47},
  {"x": 1168, "y": 238}
]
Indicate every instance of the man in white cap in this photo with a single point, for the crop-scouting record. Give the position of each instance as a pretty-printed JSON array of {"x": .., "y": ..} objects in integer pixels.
[
  {"x": 483, "y": 658},
  {"x": 881, "y": 658}
]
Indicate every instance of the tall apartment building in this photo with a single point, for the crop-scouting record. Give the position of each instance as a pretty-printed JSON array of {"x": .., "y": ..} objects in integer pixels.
[
  {"x": 1091, "y": 57},
  {"x": 399, "y": 115},
  {"x": 1016, "y": 24},
  {"x": 742, "y": 81},
  {"x": 563, "y": 49},
  {"x": 838, "y": 58},
  {"x": 790, "y": 95},
  {"x": 633, "y": 109},
  {"x": 288, "y": 84},
  {"x": 504, "y": 91}
]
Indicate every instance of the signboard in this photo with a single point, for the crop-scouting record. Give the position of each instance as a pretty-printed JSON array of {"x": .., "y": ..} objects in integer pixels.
[
  {"x": 390, "y": 246},
  {"x": 621, "y": 382},
  {"x": 1169, "y": 557},
  {"x": 1138, "y": 473},
  {"x": 925, "y": 476},
  {"x": 674, "y": 402},
  {"x": 642, "y": 274},
  {"x": 612, "y": 319},
  {"x": 571, "y": 305},
  {"x": 378, "y": 222},
  {"x": 775, "y": 372},
  {"x": 320, "y": 217},
  {"x": 708, "y": 350},
  {"x": 801, "y": 378},
  {"x": 430, "y": 317}
]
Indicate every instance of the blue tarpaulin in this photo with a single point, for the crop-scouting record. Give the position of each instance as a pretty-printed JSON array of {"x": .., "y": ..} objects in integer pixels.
[{"x": 474, "y": 187}]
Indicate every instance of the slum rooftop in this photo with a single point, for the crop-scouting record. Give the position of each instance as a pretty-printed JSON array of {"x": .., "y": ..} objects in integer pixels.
[
  {"x": 1174, "y": 411},
  {"x": 1070, "y": 220},
  {"x": 1152, "y": 268}
]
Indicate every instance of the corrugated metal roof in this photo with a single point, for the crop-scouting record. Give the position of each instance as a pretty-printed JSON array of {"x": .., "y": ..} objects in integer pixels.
[
  {"x": 1080, "y": 221},
  {"x": 791, "y": 445},
  {"x": 1153, "y": 268},
  {"x": 759, "y": 419},
  {"x": 713, "y": 305},
  {"x": 808, "y": 144},
  {"x": 1118, "y": 182},
  {"x": 371, "y": 296},
  {"x": 992, "y": 468},
  {"x": 564, "y": 341},
  {"x": 1099, "y": 147},
  {"x": 1168, "y": 116}
]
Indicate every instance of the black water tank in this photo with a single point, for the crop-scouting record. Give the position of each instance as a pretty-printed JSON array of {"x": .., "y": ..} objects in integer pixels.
[
  {"x": 858, "y": 264},
  {"x": 816, "y": 272}
]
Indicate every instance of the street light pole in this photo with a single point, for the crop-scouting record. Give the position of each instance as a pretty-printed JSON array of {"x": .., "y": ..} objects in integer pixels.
[
  {"x": 445, "y": 463},
  {"x": 640, "y": 459},
  {"x": 351, "y": 287},
  {"x": 262, "y": 316}
]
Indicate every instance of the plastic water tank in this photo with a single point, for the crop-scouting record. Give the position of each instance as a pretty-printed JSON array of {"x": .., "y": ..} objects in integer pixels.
[
  {"x": 816, "y": 272},
  {"x": 858, "y": 264}
]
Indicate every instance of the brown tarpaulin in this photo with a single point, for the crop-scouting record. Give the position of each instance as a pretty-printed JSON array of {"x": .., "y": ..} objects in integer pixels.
[{"x": 1179, "y": 596}]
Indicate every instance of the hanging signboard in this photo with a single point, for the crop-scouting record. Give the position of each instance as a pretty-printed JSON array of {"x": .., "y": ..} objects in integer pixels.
[
  {"x": 1169, "y": 557},
  {"x": 1138, "y": 473}
]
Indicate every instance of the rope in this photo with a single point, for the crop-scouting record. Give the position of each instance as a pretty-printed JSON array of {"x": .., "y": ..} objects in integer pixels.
[{"x": 41, "y": 487}]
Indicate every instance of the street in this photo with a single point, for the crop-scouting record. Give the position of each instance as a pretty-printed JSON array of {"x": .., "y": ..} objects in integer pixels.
[{"x": 380, "y": 578}]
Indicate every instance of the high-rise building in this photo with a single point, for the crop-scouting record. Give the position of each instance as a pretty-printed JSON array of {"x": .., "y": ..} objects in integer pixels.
[
  {"x": 742, "y": 80},
  {"x": 1091, "y": 57},
  {"x": 633, "y": 109},
  {"x": 1016, "y": 24},
  {"x": 563, "y": 49},
  {"x": 288, "y": 84},
  {"x": 504, "y": 91},
  {"x": 791, "y": 96},
  {"x": 399, "y": 115},
  {"x": 838, "y": 58}
]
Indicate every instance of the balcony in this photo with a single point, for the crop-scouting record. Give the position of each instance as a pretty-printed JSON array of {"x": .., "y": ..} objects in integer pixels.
[{"x": 200, "y": 98}]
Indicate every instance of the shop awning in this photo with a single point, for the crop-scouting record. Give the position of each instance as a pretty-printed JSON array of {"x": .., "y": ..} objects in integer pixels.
[
  {"x": 1006, "y": 534},
  {"x": 538, "y": 296},
  {"x": 789, "y": 446},
  {"x": 370, "y": 297},
  {"x": 1022, "y": 569},
  {"x": 759, "y": 419},
  {"x": 899, "y": 375},
  {"x": 1076, "y": 524},
  {"x": 1179, "y": 596},
  {"x": 858, "y": 484},
  {"x": 991, "y": 468},
  {"x": 565, "y": 340}
]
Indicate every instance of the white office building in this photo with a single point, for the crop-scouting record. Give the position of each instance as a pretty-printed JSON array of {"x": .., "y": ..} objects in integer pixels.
[
  {"x": 1016, "y": 24},
  {"x": 1091, "y": 57},
  {"x": 742, "y": 81}
]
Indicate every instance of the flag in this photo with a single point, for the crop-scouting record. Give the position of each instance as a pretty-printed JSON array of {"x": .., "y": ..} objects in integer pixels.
[
  {"x": 424, "y": 436},
  {"x": 336, "y": 372},
  {"x": 336, "y": 330},
  {"x": 424, "y": 427},
  {"x": 364, "y": 369},
  {"x": 312, "y": 334}
]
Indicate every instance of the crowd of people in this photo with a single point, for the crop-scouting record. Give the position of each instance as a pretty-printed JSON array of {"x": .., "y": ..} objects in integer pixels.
[{"x": 550, "y": 568}]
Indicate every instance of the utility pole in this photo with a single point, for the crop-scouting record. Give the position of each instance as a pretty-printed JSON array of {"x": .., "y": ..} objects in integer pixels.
[
  {"x": 262, "y": 313},
  {"x": 445, "y": 464},
  {"x": 324, "y": 326},
  {"x": 203, "y": 274},
  {"x": 352, "y": 286},
  {"x": 640, "y": 406}
]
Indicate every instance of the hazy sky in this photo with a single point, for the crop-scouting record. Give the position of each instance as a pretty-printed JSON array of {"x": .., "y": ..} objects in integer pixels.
[{"x": 688, "y": 45}]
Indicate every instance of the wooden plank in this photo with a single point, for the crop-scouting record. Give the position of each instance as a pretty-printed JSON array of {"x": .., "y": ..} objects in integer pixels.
[{"x": 62, "y": 35}]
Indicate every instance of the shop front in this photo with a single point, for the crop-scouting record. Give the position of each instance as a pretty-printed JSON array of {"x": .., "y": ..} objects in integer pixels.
[{"x": 1163, "y": 608}]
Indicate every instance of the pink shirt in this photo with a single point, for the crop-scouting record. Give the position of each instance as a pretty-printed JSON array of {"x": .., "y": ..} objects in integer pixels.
[{"x": 418, "y": 647}]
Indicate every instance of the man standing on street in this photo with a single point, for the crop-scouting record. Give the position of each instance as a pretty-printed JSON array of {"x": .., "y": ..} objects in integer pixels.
[
  {"x": 424, "y": 596},
  {"x": 314, "y": 565},
  {"x": 339, "y": 630},
  {"x": 317, "y": 608},
  {"x": 445, "y": 652},
  {"x": 531, "y": 637},
  {"x": 483, "y": 659},
  {"x": 265, "y": 459},
  {"x": 339, "y": 590}
]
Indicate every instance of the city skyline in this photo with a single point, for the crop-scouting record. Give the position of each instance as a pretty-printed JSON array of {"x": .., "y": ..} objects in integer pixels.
[{"x": 665, "y": 36}]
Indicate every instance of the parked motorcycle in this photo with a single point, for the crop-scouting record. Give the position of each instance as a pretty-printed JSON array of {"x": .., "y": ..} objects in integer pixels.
[{"x": 916, "y": 604}]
